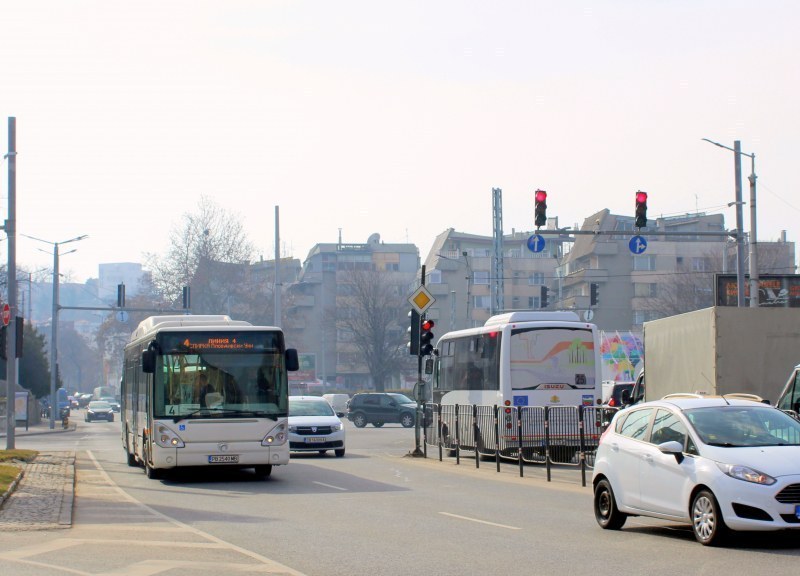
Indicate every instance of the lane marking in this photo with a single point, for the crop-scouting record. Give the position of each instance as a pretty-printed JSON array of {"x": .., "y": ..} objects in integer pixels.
[
  {"x": 330, "y": 486},
  {"x": 276, "y": 566},
  {"x": 480, "y": 521}
]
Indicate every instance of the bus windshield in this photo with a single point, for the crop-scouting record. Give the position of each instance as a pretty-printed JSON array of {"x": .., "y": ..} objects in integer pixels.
[{"x": 220, "y": 384}]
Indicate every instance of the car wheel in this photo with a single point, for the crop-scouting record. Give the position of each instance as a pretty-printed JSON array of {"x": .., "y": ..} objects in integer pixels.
[
  {"x": 263, "y": 471},
  {"x": 339, "y": 453},
  {"x": 707, "y": 523},
  {"x": 377, "y": 424},
  {"x": 359, "y": 420},
  {"x": 605, "y": 507},
  {"x": 407, "y": 419}
]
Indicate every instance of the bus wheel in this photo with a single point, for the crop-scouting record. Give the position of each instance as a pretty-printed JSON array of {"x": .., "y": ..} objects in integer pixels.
[
  {"x": 132, "y": 459},
  {"x": 152, "y": 473},
  {"x": 263, "y": 472}
]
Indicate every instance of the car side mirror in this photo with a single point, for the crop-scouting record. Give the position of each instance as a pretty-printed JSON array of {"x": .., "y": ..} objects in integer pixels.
[
  {"x": 672, "y": 447},
  {"x": 340, "y": 414},
  {"x": 625, "y": 397}
]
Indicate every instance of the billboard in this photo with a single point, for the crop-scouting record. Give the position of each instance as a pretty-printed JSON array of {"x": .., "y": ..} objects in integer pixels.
[{"x": 774, "y": 290}]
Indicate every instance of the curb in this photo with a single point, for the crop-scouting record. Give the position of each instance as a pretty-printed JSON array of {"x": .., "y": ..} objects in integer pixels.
[
  {"x": 12, "y": 487},
  {"x": 68, "y": 495}
]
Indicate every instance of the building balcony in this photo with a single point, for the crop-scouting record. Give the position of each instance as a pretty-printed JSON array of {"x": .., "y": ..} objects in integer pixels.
[{"x": 586, "y": 275}]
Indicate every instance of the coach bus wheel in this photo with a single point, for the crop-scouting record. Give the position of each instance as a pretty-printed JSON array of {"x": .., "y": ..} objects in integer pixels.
[{"x": 263, "y": 472}]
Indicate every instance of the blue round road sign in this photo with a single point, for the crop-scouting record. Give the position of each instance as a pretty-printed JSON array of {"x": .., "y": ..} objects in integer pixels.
[
  {"x": 638, "y": 244},
  {"x": 536, "y": 243}
]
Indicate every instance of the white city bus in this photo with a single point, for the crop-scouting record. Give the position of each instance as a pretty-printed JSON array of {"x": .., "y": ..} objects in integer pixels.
[
  {"x": 518, "y": 361},
  {"x": 205, "y": 391}
]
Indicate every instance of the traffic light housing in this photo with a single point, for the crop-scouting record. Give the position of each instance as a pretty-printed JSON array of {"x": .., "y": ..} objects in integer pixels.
[
  {"x": 413, "y": 333},
  {"x": 544, "y": 301},
  {"x": 594, "y": 291},
  {"x": 540, "y": 196},
  {"x": 641, "y": 209},
  {"x": 426, "y": 337}
]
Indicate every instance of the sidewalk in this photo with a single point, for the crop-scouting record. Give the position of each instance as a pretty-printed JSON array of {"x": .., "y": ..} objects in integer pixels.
[{"x": 42, "y": 498}]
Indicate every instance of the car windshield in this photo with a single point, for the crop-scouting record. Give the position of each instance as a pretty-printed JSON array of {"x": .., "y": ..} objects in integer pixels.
[
  {"x": 739, "y": 426},
  {"x": 401, "y": 399},
  {"x": 99, "y": 405},
  {"x": 309, "y": 408}
]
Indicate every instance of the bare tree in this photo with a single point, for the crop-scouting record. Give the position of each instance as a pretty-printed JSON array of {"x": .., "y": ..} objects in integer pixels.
[
  {"x": 372, "y": 317},
  {"x": 203, "y": 252}
]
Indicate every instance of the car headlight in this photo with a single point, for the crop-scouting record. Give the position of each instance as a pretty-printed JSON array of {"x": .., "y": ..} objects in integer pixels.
[
  {"x": 336, "y": 427},
  {"x": 293, "y": 429},
  {"x": 746, "y": 473}
]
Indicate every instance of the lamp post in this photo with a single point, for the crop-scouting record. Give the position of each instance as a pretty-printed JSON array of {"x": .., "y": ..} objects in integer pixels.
[
  {"x": 54, "y": 323},
  {"x": 753, "y": 253},
  {"x": 467, "y": 280}
]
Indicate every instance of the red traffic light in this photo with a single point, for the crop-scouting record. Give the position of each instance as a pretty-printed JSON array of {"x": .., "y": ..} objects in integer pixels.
[
  {"x": 641, "y": 197},
  {"x": 541, "y": 196},
  {"x": 428, "y": 325}
]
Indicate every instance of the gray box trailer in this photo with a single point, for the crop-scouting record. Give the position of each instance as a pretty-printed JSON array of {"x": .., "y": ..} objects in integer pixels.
[{"x": 721, "y": 350}]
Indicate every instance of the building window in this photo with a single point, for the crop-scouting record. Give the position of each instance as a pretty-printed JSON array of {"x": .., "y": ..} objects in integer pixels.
[
  {"x": 480, "y": 277},
  {"x": 435, "y": 276},
  {"x": 642, "y": 316},
  {"x": 481, "y": 302},
  {"x": 647, "y": 263},
  {"x": 700, "y": 264},
  {"x": 645, "y": 290},
  {"x": 534, "y": 302},
  {"x": 536, "y": 279}
]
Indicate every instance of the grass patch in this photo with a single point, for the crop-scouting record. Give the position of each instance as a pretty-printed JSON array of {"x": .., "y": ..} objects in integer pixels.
[{"x": 8, "y": 471}]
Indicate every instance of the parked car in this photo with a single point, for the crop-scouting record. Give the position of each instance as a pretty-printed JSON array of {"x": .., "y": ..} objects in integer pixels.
[
  {"x": 314, "y": 427},
  {"x": 716, "y": 463},
  {"x": 338, "y": 402},
  {"x": 99, "y": 410},
  {"x": 379, "y": 408},
  {"x": 612, "y": 392}
]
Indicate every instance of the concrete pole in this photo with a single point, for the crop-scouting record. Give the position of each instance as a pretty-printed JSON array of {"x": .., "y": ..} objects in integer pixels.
[
  {"x": 277, "y": 288},
  {"x": 754, "y": 284},
  {"x": 11, "y": 233},
  {"x": 737, "y": 159},
  {"x": 54, "y": 342}
]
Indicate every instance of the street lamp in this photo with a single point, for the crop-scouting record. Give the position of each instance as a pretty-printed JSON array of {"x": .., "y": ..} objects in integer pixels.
[
  {"x": 754, "y": 289},
  {"x": 467, "y": 279},
  {"x": 54, "y": 323}
]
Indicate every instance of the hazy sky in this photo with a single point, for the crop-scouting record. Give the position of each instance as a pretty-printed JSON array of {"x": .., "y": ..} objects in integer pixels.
[{"x": 390, "y": 117}]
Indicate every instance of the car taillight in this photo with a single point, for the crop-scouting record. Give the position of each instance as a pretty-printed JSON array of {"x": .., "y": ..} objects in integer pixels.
[{"x": 612, "y": 402}]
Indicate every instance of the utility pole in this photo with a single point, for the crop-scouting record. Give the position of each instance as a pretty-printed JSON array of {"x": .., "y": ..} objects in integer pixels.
[
  {"x": 737, "y": 154},
  {"x": 11, "y": 232},
  {"x": 754, "y": 283}
]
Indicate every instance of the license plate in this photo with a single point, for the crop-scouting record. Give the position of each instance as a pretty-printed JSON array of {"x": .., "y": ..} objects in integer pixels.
[
  {"x": 315, "y": 439},
  {"x": 226, "y": 459}
]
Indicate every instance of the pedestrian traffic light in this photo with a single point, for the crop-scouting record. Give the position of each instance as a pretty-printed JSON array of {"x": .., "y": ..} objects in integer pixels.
[
  {"x": 641, "y": 209},
  {"x": 544, "y": 301},
  {"x": 593, "y": 293},
  {"x": 413, "y": 333},
  {"x": 540, "y": 196},
  {"x": 426, "y": 338}
]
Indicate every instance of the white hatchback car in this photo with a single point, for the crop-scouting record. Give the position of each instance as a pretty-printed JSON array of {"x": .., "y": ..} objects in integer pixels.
[
  {"x": 314, "y": 427},
  {"x": 715, "y": 463}
]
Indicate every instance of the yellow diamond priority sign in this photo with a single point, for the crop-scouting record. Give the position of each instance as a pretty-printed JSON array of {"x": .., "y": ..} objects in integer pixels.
[{"x": 421, "y": 299}]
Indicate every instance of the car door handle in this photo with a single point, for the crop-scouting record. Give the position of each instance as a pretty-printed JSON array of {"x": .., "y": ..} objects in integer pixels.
[
  {"x": 615, "y": 447},
  {"x": 647, "y": 458}
]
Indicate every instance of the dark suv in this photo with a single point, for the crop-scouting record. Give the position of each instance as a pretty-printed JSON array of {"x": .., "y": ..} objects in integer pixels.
[{"x": 378, "y": 408}]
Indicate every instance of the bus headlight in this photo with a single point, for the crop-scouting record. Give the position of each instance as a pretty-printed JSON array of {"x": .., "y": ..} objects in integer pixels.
[
  {"x": 276, "y": 436},
  {"x": 166, "y": 438}
]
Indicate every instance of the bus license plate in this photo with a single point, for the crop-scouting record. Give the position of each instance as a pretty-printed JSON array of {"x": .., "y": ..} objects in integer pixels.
[
  {"x": 314, "y": 439},
  {"x": 226, "y": 459}
]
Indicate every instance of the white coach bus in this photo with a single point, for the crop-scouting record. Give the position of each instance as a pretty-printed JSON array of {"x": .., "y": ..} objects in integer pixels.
[
  {"x": 519, "y": 361},
  {"x": 205, "y": 391}
]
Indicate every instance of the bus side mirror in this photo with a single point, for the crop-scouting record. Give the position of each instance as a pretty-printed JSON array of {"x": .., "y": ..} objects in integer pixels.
[
  {"x": 149, "y": 361},
  {"x": 292, "y": 360}
]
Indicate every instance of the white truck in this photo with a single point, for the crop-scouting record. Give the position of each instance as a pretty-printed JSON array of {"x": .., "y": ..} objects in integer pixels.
[{"x": 720, "y": 350}]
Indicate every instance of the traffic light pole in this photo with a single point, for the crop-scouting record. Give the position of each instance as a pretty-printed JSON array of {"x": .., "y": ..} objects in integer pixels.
[{"x": 420, "y": 387}]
